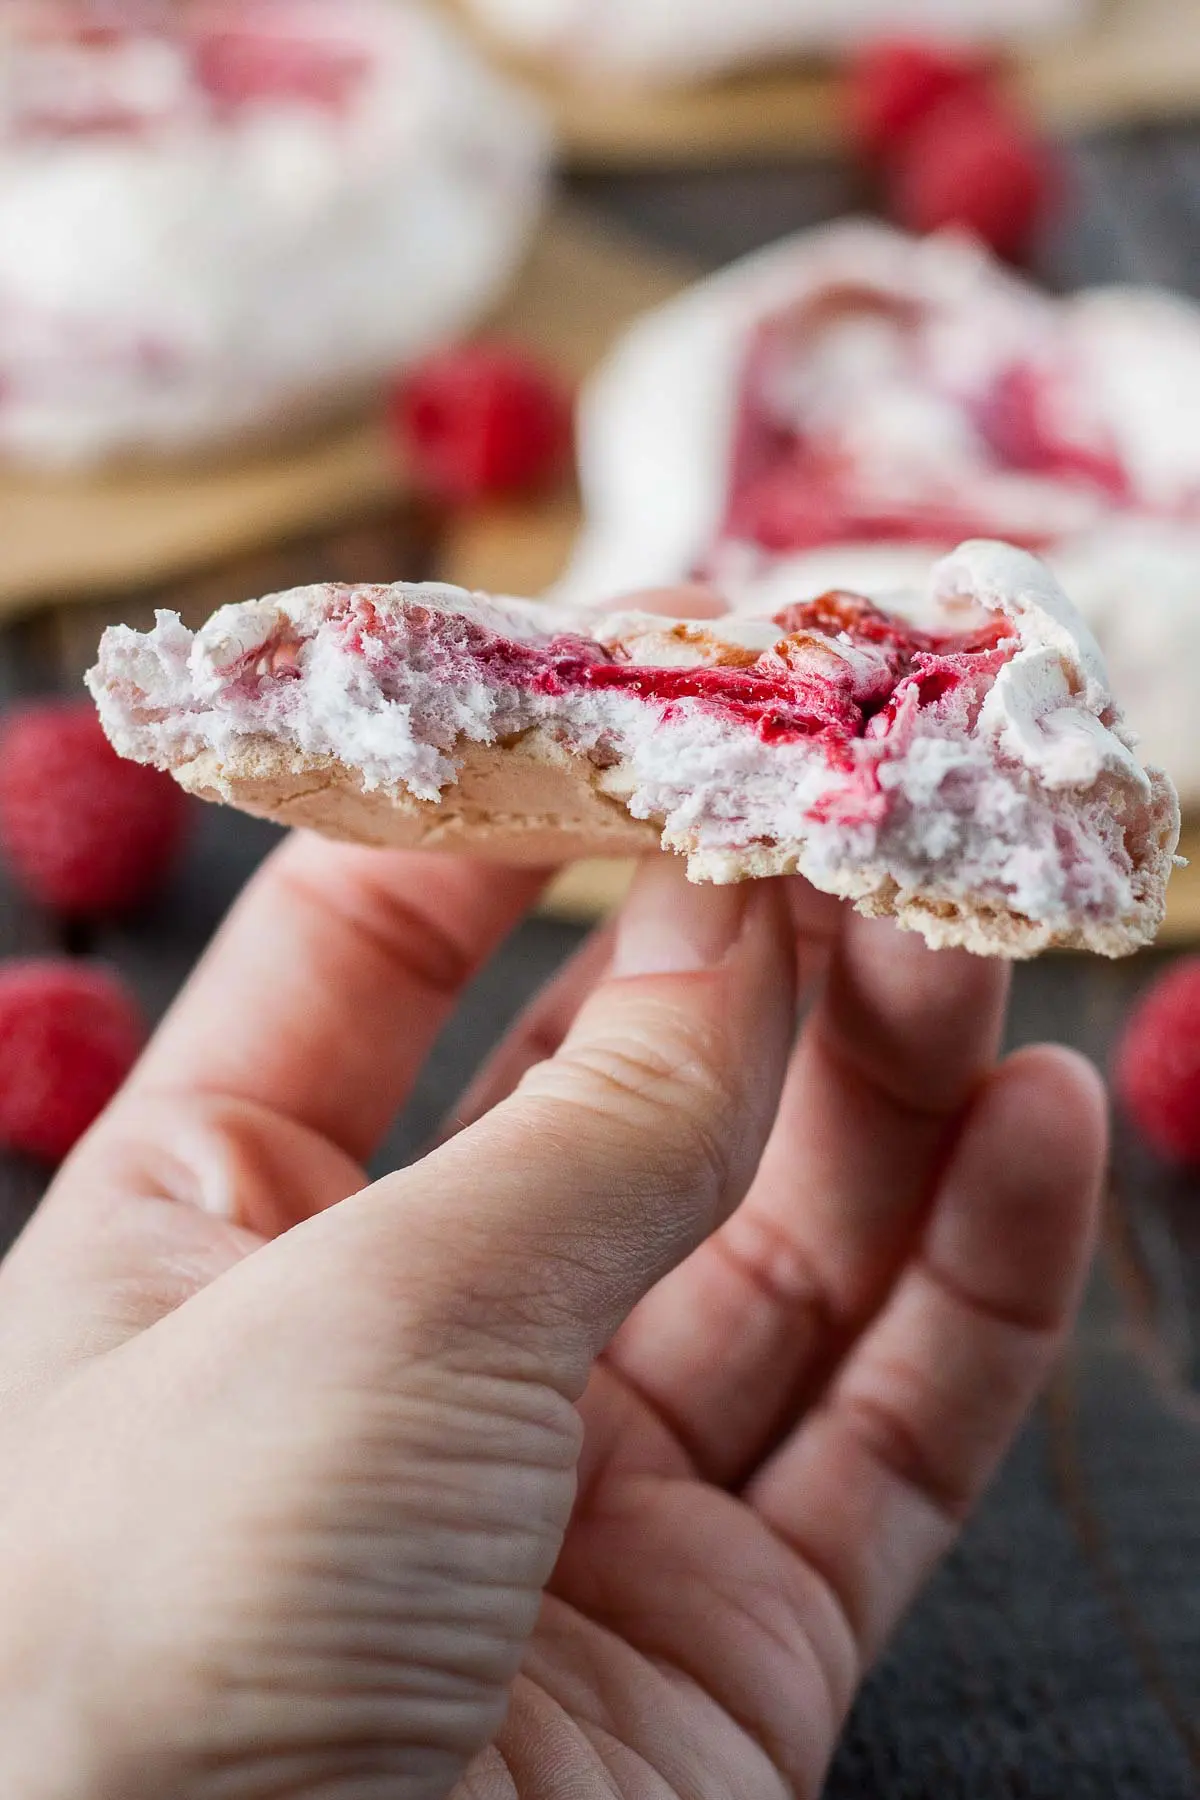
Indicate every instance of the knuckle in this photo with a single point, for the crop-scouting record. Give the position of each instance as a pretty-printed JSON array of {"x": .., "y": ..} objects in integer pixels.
[{"x": 666, "y": 1098}]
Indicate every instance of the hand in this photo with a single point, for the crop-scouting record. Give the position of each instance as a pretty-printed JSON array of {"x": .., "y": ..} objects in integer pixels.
[{"x": 596, "y": 1454}]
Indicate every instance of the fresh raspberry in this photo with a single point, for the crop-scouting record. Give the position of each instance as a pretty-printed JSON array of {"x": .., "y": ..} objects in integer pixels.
[
  {"x": 69, "y": 1035},
  {"x": 1157, "y": 1064},
  {"x": 971, "y": 163},
  {"x": 893, "y": 83},
  {"x": 85, "y": 832},
  {"x": 480, "y": 419}
]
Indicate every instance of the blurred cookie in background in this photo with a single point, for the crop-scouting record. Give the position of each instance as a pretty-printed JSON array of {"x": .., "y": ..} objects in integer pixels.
[
  {"x": 839, "y": 409},
  {"x": 224, "y": 219}
]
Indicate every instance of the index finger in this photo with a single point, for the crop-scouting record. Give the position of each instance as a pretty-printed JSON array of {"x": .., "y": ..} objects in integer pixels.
[
  {"x": 889, "y": 1057},
  {"x": 326, "y": 986},
  {"x": 325, "y": 989}
]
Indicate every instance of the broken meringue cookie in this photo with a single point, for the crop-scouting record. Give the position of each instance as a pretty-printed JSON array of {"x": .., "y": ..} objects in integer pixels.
[{"x": 956, "y": 762}]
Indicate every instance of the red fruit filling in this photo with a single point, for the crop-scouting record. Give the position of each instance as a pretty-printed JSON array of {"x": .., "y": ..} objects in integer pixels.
[
  {"x": 1018, "y": 426},
  {"x": 843, "y": 677},
  {"x": 238, "y": 68},
  {"x": 799, "y": 689},
  {"x": 792, "y": 489},
  {"x": 803, "y": 503},
  {"x": 230, "y": 68}
]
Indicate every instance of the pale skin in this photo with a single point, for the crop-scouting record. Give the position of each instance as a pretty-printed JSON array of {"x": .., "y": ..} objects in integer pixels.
[{"x": 598, "y": 1453}]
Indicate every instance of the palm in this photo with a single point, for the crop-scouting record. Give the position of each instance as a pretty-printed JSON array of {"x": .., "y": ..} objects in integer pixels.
[
  {"x": 682, "y": 1646},
  {"x": 815, "y": 1289},
  {"x": 785, "y": 1435}
]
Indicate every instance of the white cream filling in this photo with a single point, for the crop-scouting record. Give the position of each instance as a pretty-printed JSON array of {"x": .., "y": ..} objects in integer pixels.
[{"x": 973, "y": 814}]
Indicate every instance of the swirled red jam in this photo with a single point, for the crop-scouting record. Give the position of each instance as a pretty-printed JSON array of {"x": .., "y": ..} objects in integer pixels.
[
  {"x": 848, "y": 431},
  {"x": 839, "y": 670},
  {"x": 970, "y": 773},
  {"x": 122, "y": 67}
]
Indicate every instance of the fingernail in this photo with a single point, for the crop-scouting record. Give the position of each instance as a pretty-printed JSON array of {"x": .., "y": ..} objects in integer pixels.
[{"x": 670, "y": 927}]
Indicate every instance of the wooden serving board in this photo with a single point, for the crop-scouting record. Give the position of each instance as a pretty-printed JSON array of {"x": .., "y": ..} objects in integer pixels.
[
  {"x": 64, "y": 538},
  {"x": 1138, "y": 62}
]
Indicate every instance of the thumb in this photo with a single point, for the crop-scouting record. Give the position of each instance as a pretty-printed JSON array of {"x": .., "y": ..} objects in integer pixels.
[{"x": 537, "y": 1230}]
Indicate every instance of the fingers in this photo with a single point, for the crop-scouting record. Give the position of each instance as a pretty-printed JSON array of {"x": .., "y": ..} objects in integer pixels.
[
  {"x": 872, "y": 1488},
  {"x": 542, "y": 1027},
  {"x": 329, "y": 982},
  {"x": 159, "y": 1201},
  {"x": 528, "y": 1237},
  {"x": 540, "y": 1030},
  {"x": 286, "y": 1056},
  {"x": 734, "y": 1342}
]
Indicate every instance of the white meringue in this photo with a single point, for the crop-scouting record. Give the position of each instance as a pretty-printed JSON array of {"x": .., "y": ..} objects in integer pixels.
[{"x": 178, "y": 268}]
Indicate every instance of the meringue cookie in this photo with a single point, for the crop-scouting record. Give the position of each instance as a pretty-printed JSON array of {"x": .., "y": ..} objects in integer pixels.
[
  {"x": 219, "y": 219},
  {"x": 900, "y": 386},
  {"x": 969, "y": 774}
]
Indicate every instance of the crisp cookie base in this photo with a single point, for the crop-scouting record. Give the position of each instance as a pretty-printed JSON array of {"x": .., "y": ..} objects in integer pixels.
[{"x": 531, "y": 802}]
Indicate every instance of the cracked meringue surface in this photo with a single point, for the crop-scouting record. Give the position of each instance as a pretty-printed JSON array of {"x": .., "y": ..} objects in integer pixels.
[{"x": 956, "y": 756}]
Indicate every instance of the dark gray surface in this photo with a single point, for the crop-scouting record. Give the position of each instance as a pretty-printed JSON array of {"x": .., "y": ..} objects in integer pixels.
[{"x": 1058, "y": 1653}]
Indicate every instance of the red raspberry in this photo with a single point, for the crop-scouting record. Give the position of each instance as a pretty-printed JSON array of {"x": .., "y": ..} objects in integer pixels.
[
  {"x": 480, "y": 419},
  {"x": 69, "y": 1035},
  {"x": 85, "y": 832},
  {"x": 972, "y": 164},
  {"x": 1157, "y": 1064},
  {"x": 893, "y": 83}
]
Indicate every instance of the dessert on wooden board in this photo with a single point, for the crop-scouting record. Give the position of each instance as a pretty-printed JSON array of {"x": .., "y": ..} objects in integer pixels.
[
  {"x": 670, "y": 41},
  {"x": 220, "y": 219},
  {"x": 955, "y": 759},
  {"x": 846, "y": 405}
]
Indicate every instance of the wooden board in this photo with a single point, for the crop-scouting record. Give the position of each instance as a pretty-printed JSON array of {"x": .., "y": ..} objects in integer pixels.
[
  {"x": 65, "y": 538},
  {"x": 70, "y": 538},
  {"x": 1139, "y": 62}
]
